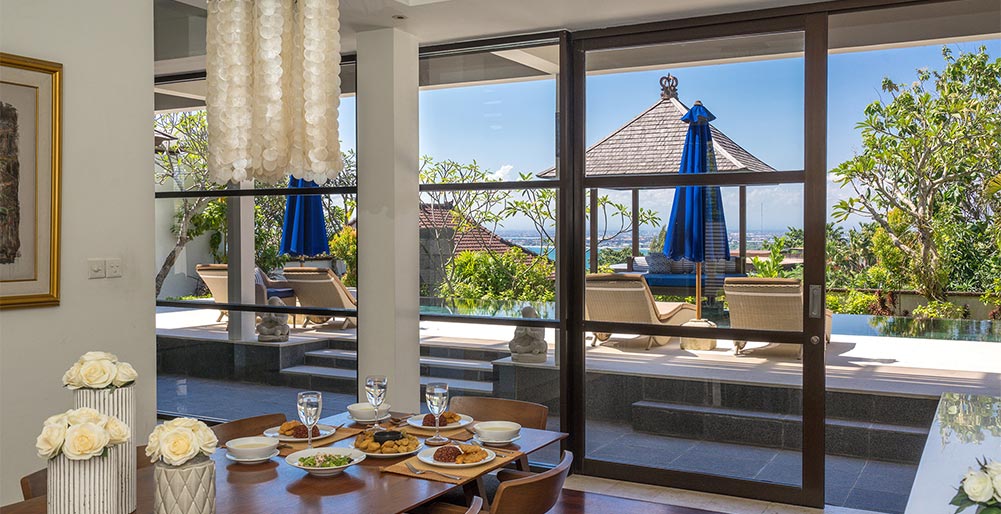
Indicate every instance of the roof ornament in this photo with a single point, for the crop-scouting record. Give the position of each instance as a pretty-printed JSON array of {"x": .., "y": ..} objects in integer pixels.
[{"x": 668, "y": 87}]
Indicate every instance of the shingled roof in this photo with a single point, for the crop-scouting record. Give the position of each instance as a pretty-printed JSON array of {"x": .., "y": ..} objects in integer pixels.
[
  {"x": 652, "y": 143},
  {"x": 474, "y": 237}
]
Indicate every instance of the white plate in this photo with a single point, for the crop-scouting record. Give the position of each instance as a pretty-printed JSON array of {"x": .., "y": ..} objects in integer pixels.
[
  {"x": 393, "y": 455},
  {"x": 418, "y": 421},
  {"x": 495, "y": 443},
  {"x": 325, "y": 430},
  {"x": 356, "y": 457},
  {"x": 233, "y": 458},
  {"x": 370, "y": 421},
  {"x": 427, "y": 457}
]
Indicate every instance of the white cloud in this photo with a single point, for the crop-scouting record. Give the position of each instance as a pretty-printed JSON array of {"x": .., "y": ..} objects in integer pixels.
[{"x": 503, "y": 173}]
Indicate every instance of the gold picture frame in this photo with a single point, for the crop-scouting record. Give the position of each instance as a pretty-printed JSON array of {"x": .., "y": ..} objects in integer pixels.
[{"x": 30, "y": 173}]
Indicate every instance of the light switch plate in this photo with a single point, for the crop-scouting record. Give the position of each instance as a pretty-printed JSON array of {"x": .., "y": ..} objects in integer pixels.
[
  {"x": 113, "y": 268},
  {"x": 95, "y": 268}
]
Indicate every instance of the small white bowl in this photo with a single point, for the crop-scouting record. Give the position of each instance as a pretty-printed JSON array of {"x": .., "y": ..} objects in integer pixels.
[
  {"x": 490, "y": 431},
  {"x": 356, "y": 457},
  {"x": 250, "y": 448},
  {"x": 364, "y": 411}
]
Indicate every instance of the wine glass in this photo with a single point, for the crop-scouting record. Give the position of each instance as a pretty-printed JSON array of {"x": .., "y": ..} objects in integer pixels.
[
  {"x": 375, "y": 390},
  {"x": 310, "y": 405},
  {"x": 436, "y": 395}
]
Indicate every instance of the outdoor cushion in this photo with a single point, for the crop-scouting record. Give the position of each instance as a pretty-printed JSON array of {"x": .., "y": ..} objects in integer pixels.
[
  {"x": 682, "y": 266},
  {"x": 281, "y": 292},
  {"x": 678, "y": 280},
  {"x": 657, "y": 262}
]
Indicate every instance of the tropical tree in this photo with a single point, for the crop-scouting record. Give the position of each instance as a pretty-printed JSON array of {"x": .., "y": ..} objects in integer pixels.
[{"x": 928, "y": 155}]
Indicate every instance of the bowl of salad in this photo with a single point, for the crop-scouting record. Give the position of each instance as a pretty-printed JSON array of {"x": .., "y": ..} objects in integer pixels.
[{"x": 325, "y": 462}]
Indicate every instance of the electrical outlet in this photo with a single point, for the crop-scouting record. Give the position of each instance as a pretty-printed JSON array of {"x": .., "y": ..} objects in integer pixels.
[
  {"x": 113, "y": 268},
  {"x": 95, "y": 268}
]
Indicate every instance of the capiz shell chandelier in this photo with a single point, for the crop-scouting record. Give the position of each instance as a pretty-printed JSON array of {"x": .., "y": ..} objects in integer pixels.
[{"x": 273, "y": 77}]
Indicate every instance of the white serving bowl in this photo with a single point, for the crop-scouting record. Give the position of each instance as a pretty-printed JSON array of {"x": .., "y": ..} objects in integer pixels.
[
  {"x": 489, "y": 431},
  {"x": 363, "y": 411},
  {"x": 356, "y": 457},
  {"x": 245, "y": 448}
]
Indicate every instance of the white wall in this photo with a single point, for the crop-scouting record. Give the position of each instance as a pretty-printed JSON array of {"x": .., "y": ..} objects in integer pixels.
[{"x": 106, "y": 48}]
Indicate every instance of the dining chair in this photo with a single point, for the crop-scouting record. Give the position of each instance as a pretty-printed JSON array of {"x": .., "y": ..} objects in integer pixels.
[
  {"x": 36, "y": 484},
  {"x": 526, "y": 414},
  {"x": 246, "y": 427},
  {"x": 521, "y": 492}
]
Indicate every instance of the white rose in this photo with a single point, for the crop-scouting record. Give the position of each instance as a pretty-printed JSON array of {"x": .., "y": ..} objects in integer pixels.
[
  {"x": 189, "y": 423},
  {"x": 124, "y": 375},
  {"x": 85, "y": 441},
  {"x": 997, "y": 487},
  {"x": 178, "y": 445},
  {"x": 50, "y": 440},
  {"x": 97, "y": 374},
  {"x": 71, "y": 378},
  {"x": 118, "y": 432},
  {"x": 86, "y": 415},
  {"x": 99, "y": 356},
  {"x": 153, "y": 444},
  {"x": 206, "y": 438},
  {"x": 993, "y": 468},
  {"x": 59, "y": 419},
  {"x": 977, "y": 485}
]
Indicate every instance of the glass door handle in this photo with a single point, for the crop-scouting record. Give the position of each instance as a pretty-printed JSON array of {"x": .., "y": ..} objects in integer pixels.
[{"x": 816, "y": 301}]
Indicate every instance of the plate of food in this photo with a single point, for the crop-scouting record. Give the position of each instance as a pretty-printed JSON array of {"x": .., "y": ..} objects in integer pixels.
[
  {"x": 456, "y": 456},
  {"x": 325, "y": 462},
  {"x": 448, "y": 420},
  {"x": 387, "y": 444},
  {"x": 296, "y": 432}
]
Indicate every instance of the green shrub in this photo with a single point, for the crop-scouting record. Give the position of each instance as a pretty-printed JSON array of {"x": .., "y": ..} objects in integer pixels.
[
  {"x": 852, "y": 302},
  {"x": 344, "y": 247},
  {"x": 937, "y": 309},
  {"x": 512, "y": 275}
]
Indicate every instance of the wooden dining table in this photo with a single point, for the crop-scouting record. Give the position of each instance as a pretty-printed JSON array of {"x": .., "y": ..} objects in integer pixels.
[{"x": 275, "y": 486}]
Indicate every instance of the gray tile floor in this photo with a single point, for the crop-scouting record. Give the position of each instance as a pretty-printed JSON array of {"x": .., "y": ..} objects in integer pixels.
[{"x": 855, "y": 483}]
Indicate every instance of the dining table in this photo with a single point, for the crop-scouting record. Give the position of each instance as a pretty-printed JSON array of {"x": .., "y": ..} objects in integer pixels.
[{"x": 275, "y": 486}]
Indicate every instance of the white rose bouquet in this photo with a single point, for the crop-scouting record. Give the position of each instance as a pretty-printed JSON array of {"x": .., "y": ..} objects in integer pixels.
[
  {"x": 80, "y": 434},
  {"x": 980, "y": 488},
  {"x": 180, "y": 440},
  {"x": 99, "y": 370}
]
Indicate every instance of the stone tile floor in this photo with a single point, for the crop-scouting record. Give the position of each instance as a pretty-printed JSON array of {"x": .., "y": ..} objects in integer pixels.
[{"x": 853, "y": 483}]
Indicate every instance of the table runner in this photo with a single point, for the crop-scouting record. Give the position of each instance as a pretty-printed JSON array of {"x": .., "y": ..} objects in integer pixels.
[
  {"x": 467, "y": 474},
  {"x": 286, "y": 449}
]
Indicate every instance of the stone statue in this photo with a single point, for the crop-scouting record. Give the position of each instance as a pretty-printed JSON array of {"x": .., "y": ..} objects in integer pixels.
[
  {"x": 529, "y": 344},
  {"x": 273, "y": 327}
]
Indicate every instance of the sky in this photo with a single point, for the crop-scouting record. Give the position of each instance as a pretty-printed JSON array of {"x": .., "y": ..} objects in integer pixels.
[{"x": 510, "y": 128}]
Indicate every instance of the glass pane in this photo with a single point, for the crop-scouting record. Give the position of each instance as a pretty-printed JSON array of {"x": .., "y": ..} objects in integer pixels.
[
  {"x": 700, "y": 411},
  {"x": 491, "y": 114},
  {"x": 908, "y": 330}
]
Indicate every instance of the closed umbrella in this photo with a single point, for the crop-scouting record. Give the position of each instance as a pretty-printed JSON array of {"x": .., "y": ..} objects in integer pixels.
[
  {"x": 304, "y": 232},
  {"x": 696, "y": 229}
]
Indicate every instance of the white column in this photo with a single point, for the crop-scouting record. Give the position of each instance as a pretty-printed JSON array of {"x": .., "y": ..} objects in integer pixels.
[
  {"x": 240, "y": 256},
  {"x": 388, "y": 196}
]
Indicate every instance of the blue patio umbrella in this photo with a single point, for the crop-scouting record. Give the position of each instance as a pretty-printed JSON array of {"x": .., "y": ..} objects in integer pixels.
[
  {"x": 304, "y": 232},
  {"x": 696, "y": 229}
]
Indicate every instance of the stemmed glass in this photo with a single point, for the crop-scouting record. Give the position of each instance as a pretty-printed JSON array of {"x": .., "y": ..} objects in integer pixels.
[
  {"x": 436, "y": 395},
  {"x": 310, "y": 405},
  {"x": 375, "y": 390}
]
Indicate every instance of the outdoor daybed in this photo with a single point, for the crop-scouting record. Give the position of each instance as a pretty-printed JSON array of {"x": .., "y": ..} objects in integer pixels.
[
  {"x": 321, "y": 287},
  {"x": 769, "y": 304},
  {"x": 216, "y": 279},
  {"x": 626, "y": 298}
]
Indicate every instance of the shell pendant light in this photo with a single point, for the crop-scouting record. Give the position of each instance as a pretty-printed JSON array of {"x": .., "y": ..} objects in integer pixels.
[{"x": 273, "y": 77}]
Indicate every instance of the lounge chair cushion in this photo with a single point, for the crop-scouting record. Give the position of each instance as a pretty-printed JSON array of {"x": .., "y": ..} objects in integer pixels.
[
  {"x": 281, "y": 292},
  {"x": 657, "y": 262}
]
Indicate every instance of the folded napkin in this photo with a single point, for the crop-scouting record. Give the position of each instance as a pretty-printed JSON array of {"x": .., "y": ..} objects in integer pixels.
[
  {"x": 459, "y": 434},
  {"x": 466, "y": 474},
  {"x": 286, "y": 449}
]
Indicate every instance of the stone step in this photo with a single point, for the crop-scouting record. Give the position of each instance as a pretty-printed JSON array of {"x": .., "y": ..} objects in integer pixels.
[
  {"x": 450, "y": 350},
  {"x": 866, "y": 440},
  {"x": 442, "y": 367},
  {"x": 343, "y": 381}
]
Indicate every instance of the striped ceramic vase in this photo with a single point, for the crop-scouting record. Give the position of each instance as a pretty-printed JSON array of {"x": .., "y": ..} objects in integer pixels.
[
  {"x": 84, "y": 486},
  {"x": 118, "y": 402}
]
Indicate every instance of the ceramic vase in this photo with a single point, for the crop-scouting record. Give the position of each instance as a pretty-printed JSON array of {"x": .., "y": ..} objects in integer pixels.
[
  {"x": 120, "y": 403},
  {"x": 83, "y": 486},
  {"x": 185, "y": 489}
]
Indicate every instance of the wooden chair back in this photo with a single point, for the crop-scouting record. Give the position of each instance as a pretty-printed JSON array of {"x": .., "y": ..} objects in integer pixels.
[
  {"x": 526, "y": 414},
  {"x": 536, "y": 493},
  {"x": 246, "y": 427},
  {"x": 475, "y": 505},
  {"x": 36, "y": 484}
]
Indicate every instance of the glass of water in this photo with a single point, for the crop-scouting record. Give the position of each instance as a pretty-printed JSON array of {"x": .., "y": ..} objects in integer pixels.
[
  {"x": 310, "y": 404},
  {"x": 436, "y": 395},
  {"x": 375, "y": 390}
]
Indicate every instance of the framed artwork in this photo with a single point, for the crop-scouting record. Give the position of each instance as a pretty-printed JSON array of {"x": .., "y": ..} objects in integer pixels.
[{"x": 30, "y": 115}]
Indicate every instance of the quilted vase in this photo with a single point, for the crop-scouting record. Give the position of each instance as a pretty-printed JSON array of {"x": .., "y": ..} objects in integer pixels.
[
  {"x": 186, "y": 489},
  {"x": 83, "y": 486},
  {"x": 118, "y": 402}
]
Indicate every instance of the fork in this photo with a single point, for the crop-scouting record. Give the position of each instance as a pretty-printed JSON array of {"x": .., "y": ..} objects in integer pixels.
[{"x": 422, "y": 471}]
